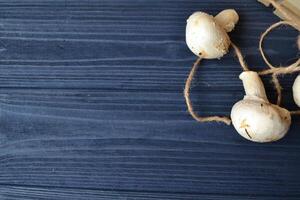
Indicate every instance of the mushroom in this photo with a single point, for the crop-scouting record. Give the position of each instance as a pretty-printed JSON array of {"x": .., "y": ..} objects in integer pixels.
[
  {"x": 206, "y": 36},
  {"x": 254, "y": 117},
  {"x": 296, "y": 90}
]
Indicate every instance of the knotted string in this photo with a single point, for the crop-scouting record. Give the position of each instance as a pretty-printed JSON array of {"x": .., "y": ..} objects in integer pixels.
[
  {"x": 293, "y": 21},
  {"x": 276, "y": 71}
]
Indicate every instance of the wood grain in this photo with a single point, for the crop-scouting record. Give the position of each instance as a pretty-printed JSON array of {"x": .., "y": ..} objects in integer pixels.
[{"x": 92, "y": 106}]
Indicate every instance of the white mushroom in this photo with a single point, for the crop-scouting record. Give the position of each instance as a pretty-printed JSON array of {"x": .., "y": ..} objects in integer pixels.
[
  {"x": 206, "y": 36},
  {"x": 296, "y": 90},
  {"x": 227, "y": 19},
  {"x": 254, "y": 117}
]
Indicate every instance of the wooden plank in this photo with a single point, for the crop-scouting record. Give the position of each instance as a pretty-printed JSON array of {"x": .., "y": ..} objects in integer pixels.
[
  {"x": 26, "y": 193},
  {"x": 91, "y": 104}
]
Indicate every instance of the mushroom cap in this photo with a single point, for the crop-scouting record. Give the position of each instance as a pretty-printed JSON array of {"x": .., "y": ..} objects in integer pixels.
[
  {"x": 296, "y": 90},
  {"x": 205, "y": 37},
  {"x": 260, "y": 121}
]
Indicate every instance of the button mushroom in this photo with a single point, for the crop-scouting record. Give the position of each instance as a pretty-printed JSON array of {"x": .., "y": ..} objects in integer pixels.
[
  {"x": 206, "y": 36},
  {"x": 254, "y": 117},
  {"x": 296, "y": 90}
]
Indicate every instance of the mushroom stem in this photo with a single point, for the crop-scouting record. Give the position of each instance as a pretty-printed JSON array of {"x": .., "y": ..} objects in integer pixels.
[
  {"x": 227, "y": 19},
  {"x": 253, "y": 85}
]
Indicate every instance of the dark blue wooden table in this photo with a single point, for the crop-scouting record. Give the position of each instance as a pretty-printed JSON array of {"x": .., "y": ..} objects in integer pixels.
[{"x": 92, "y": 107}]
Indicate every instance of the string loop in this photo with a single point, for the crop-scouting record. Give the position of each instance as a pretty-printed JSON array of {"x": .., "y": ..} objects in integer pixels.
[
  {"x": 188, "y": 101},
  {"x": 275, "y": 70},
  {"x": 187, "y": 88}
]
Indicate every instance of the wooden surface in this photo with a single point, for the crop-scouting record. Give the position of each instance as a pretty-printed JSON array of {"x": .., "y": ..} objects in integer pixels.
[{"x": 92, "y": 107}]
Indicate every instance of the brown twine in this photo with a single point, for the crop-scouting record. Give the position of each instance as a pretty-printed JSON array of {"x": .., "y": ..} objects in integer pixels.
[
  {"x": 295, "y": 67},
  {"x": 189, "y": 104},
  {"x": 187, "y": 88},
  {"x": 278, "y": 88},
  {"x": 293, "y": 21},
  {"x": 240, "y": 57},
  {"x": 275, "y": 71}
]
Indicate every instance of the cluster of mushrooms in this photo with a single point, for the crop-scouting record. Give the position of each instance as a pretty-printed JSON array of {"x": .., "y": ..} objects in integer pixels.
[{"x": 254, "y": 117}]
